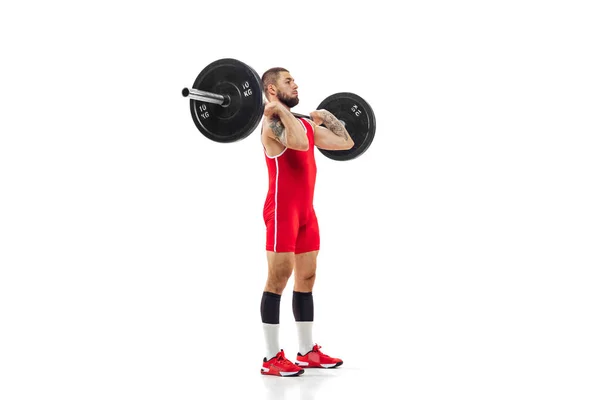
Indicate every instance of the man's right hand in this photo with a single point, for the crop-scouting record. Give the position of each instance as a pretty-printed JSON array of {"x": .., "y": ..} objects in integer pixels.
[{"x": 272, "y": 108}]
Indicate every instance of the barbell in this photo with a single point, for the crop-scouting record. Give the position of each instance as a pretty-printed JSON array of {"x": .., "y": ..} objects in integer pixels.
[{"x": 227, "y": 104}]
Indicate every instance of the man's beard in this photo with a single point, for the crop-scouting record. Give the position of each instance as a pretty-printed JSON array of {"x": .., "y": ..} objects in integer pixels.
[{"x": 288, "y": 101}]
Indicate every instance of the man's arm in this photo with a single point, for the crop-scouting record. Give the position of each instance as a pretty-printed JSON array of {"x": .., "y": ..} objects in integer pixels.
[
  {"x": 284, "y": 127},
  {"x": 333, "y": 136}
]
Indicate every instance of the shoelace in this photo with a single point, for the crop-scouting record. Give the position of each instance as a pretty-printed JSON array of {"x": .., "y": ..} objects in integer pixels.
[
  {"x": 281, "y": 358},
  {"x": 316, "y": 349}
]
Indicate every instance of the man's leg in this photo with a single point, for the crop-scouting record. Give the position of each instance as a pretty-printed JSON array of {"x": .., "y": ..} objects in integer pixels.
[
  {"x": 305, "y": 271},
  {"x": 280, "y": 246}
]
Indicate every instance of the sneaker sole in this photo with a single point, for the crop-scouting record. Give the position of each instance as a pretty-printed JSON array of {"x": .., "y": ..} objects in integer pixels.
[
  {"x": 325, "y": 366},
  {"x": 283, "y": 374}
]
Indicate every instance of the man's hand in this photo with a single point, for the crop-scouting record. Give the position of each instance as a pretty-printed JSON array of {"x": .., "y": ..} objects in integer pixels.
[
  {"x": 271, "y": 109},
  {"x": 317, "y": 117}
]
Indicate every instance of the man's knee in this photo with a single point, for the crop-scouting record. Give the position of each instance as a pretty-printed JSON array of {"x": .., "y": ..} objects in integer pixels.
[
  {"x": 279, "y": 280},
  {"x": 280, "y": 271},
  {"x": 305, "y": 277}
]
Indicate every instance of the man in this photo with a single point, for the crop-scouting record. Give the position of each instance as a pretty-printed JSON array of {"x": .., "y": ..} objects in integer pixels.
[{"x": 292, "y": 241}]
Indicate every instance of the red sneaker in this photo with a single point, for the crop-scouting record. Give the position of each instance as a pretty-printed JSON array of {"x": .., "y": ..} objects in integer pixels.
[
  {"x": 316, "y": 359},
  {"x": 280, "y": 366}
]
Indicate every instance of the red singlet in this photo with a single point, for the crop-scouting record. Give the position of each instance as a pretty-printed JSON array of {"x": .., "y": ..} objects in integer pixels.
[{"x": 289, "y": 215}]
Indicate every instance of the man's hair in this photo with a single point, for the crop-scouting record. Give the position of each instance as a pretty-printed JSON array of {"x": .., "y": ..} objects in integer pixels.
[{"x": 270, "y": 78}]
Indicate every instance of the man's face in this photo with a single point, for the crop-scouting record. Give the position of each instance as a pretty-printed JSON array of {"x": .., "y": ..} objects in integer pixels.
[{"x": 287, "y": 90}]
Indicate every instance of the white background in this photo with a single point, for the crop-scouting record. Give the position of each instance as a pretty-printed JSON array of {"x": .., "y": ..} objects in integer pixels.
[{"x": 460, "y": 253}]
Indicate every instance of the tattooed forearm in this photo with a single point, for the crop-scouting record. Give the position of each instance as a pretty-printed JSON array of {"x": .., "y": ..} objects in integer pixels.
[
  {"x": 278, "y": 130},
  {"x": 334, "y": 125}
]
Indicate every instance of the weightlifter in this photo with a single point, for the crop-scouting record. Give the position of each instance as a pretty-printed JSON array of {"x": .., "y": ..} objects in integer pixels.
[{"x": 292, "y": 229}]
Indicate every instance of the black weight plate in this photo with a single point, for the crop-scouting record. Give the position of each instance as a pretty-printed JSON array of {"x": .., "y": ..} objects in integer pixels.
[
  {"x": 237, "y": 120},
  {"x": 359, "y": 120}
]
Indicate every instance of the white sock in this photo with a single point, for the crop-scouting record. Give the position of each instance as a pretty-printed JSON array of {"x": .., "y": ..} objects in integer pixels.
[
  {"x": 305, "y": 340},
  {"x": 271, "y": 332}
]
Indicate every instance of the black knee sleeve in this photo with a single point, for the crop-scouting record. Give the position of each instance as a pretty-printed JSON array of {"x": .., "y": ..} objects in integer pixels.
[
  {"x": 302, "y": 304},
  {"x": 269, "y": 307}
]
